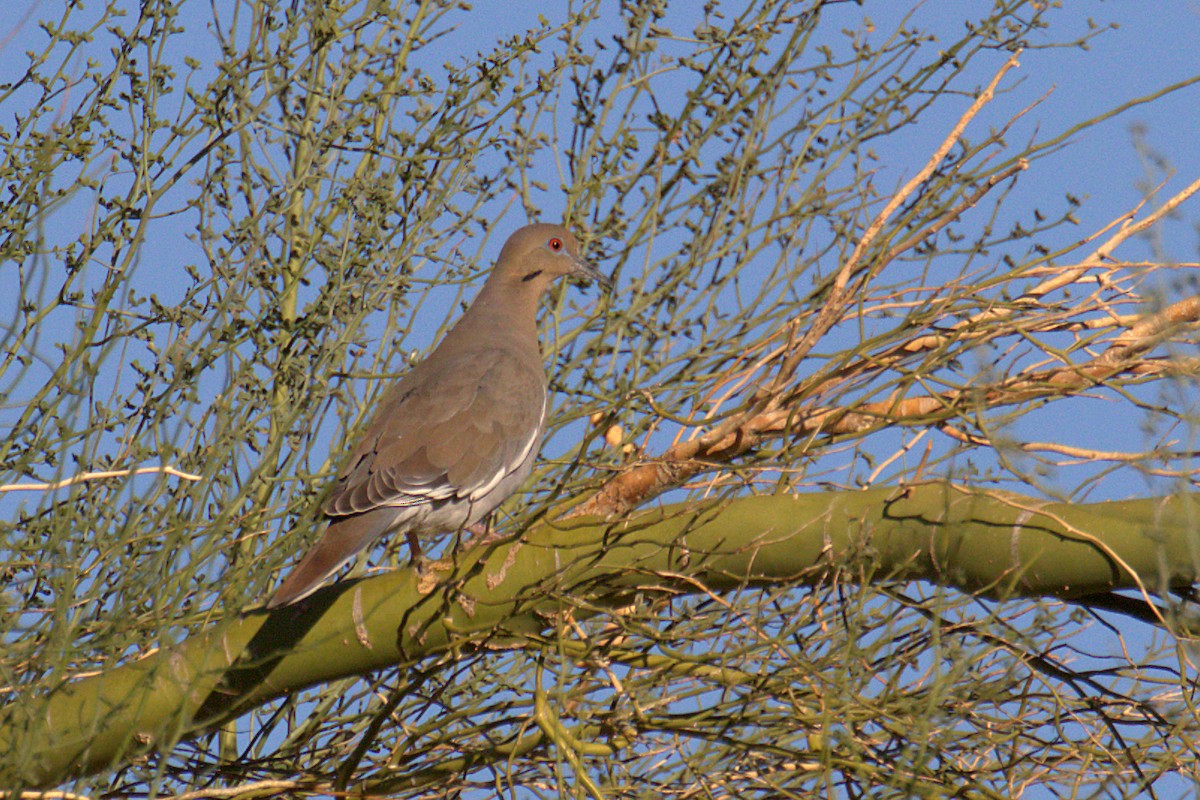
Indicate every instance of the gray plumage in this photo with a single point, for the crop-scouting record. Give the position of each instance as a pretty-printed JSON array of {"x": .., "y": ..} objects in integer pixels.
[{"x": 457, "y": 434}]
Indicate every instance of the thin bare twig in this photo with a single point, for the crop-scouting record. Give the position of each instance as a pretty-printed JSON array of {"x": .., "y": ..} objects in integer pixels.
[{"x": 97, "y": 476}]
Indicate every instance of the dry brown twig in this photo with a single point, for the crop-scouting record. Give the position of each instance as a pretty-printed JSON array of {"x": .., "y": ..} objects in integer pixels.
[
  {"x": 266, "y": 788},
  {"x": 1121, "y": 357}
]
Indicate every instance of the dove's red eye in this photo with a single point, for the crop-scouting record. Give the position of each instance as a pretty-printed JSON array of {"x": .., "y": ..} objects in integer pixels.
[{"x": 556, "y": 244}]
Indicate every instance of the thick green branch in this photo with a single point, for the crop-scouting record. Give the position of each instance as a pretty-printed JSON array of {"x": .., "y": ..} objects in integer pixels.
[{"x": 992, "y": 544}]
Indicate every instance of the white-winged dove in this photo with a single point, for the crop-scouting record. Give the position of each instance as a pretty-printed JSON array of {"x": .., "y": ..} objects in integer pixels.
[{"x": 459, "y": 432}]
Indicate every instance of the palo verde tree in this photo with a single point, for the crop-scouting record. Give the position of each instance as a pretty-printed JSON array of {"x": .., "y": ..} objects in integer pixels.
[{"x": 808, "y": 519}]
